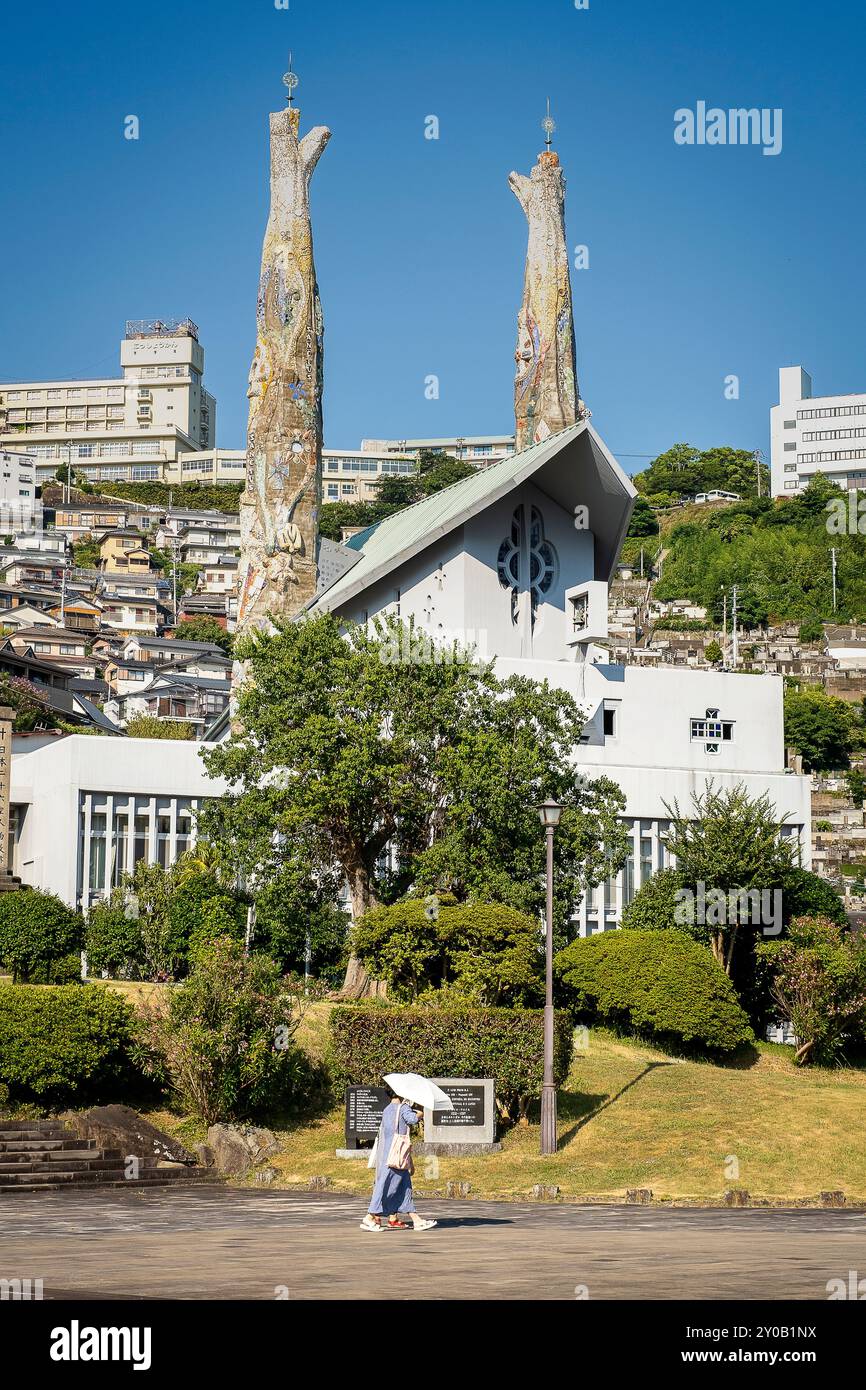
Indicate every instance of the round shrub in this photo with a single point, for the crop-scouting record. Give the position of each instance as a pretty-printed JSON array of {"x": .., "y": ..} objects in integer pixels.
[
  {"x": 486, "y": 952},
  {"x": 659, "y": 983},
  {"x": 65, "y": 1043},
  {"x": 36, "y": 928}
]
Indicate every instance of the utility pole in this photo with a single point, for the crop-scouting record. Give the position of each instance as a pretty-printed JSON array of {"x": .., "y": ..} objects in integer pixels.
[
  {"x": 833, "y": 567},
  {"x": 63, "y": 595},
  {"x": 174, "y": 575},
  {"x": 759, "y": 458},
  {"x": 725, "y": 628},
  {"x": 67, "y": 482},
  {"x": 734, "y": 626}
]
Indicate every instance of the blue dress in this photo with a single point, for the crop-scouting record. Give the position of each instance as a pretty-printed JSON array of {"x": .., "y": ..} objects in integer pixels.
[{"x": 392, "y": 1190}]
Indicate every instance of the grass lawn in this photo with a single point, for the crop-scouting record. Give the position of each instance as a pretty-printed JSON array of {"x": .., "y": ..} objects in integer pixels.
[{"x": 630, "y": 1116}]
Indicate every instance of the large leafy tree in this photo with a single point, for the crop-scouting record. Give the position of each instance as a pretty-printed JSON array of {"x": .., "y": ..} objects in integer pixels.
[
  {"x": 393, "y": 764},
  {"x": 820, "y": 727}
]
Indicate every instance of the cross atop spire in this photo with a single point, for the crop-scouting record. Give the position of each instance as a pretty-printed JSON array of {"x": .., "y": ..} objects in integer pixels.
[
  {"x": 291, "y": 81},
  {"x": 548, "y": 125}
]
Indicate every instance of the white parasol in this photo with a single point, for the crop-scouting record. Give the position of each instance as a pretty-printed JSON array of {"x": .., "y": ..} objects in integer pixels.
[{"x": 418, "y": 1090}]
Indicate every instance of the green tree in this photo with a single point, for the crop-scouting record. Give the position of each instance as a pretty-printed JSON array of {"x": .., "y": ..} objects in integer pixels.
[
  {"x": 643, "y": 519},
  {"x": 820, "y": 987},
  {"x": 485, "y": 952},
  {"x": 732, "y": 842},
  {"x": 36, "y": 929},
  {"x": 29, "y": 703},
  {"x": 86, "y": 554},
  {"x": 356, "y": 742},
  {"x": 205, "y": 630},
  {"x": 820, "y": 728},
  {"x": 225, "y": 1040},
  {"x": 713, "y": 653}
]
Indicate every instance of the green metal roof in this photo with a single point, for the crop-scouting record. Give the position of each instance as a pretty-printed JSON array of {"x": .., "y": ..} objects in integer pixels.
[{"x": 385, "y": 544}]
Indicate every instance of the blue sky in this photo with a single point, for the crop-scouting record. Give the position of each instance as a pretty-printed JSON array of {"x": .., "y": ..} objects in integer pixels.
[{"x": 704, "y": 261}]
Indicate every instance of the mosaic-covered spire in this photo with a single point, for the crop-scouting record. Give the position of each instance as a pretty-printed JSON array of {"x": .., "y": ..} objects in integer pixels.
[
  {"x": 545, "y": 383},
  {"x": 280, "y": 503}
]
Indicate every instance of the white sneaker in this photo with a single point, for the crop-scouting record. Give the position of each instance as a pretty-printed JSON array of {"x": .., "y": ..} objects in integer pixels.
[
  {"x": 424, "y": 1225},
  {"x": 368, "y": 1224}
]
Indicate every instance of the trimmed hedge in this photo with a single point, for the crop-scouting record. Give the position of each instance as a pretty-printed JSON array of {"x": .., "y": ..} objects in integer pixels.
[
  {"x": 64, "y": 1043},
  {"x": 370, "y": 1040},
  {"x": 657, "y": 982},
  {"x": 489, "y": 952}
]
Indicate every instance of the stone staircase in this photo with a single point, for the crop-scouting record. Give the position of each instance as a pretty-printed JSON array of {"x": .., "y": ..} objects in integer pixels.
[{"x": 36, "y": 1155}]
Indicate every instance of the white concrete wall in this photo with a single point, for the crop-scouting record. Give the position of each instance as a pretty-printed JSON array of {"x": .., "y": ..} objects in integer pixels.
[{"x": 47, "y": 781}]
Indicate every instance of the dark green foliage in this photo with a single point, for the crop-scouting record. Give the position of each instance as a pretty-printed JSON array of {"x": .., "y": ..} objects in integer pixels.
[
  {"x": 658, "y": 983},
  {"x": 206, "y": 497},
  {"x": 856, "y": 780},
  {"x": 65, "y": 1044},
  {"x": 643, "y": 519},
  {"x": 293, "y": 914},
  {"x": 205, "y": 630},
  {"x": 820, "y": 727},
  {"x": 36, "y": 928},
  {"x": 684, "y": 471},
  {"x": 653, "y": 906},
  {"x": 812, "y": 630},
  {"x": 485, "y": 952},
  {"x": 351, "y": 746},
  {"x": 113, "y": 940},
  {"x": 370, "y": 1040},
  {"x": 818, "y": 983},
  {"x": 777, "y": 553},
  {"x": 225, "y": 1043},
  {"x": 808, "y": 895},
  {"x": 395, "y": 491}
]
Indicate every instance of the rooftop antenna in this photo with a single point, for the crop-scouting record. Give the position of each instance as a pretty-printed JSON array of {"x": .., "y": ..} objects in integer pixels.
[
  {"x": 290, "y": 82},
  {"x": 548, "y": 125}
]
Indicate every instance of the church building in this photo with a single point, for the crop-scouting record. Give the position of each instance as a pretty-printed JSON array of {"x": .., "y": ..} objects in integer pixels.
[{"x": 514, "y": 561}]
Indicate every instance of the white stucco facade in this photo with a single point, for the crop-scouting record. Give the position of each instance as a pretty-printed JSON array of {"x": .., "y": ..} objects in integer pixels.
[
  {"x": 516, "y": 562},
  {"x": 87, "y": 808}
]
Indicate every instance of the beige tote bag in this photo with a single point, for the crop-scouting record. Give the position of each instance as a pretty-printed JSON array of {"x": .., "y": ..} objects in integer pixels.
[{"x": 400, "y": 1152}]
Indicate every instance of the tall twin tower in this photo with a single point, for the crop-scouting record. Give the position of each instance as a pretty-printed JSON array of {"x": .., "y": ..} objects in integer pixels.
[{"x": 279, "y": 506}]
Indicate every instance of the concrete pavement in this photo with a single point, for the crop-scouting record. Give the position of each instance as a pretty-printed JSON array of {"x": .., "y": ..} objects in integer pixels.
[{"x": 224, "y": 1243}]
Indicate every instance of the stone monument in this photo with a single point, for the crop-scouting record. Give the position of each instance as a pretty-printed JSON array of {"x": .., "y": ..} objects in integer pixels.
[
  {"x": 470, "y": 1128},
  {"x": 545, "y": 383},
  {"x": 280, "y": 502}
]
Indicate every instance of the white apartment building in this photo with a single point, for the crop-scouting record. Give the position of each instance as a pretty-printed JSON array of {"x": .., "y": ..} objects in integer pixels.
[
  {"x": 815, "y": 434},
  {"x": 480, "y": 449},
  {"x": 20, "y": 511},
  {"x": 118, "y": 429}
]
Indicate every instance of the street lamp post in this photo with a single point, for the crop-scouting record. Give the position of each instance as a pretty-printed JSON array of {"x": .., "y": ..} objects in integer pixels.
[{"x": 549, "y": 814}]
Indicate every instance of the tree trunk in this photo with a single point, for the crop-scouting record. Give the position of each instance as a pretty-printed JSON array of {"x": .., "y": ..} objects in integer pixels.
[{"x": 358, "y": 984}]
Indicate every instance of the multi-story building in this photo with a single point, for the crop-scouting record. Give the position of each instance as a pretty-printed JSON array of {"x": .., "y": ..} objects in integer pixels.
[
  {"x": 480, "y": 449},
  {"x": 20, "y": 509},
  {"x": 129, "y": 428},
  {"x": 815, "y": 434}
]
